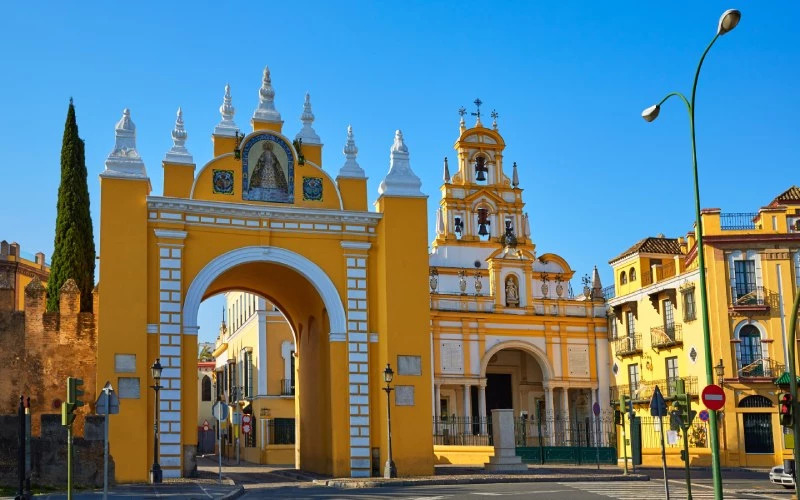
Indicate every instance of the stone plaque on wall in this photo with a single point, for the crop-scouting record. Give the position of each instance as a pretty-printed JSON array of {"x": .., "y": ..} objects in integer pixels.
[
  {"x": 404, "y": 395},
  {"x": 409, "y": 365},
  {"x": 578, "y": 360},
  {"x": 452, "y": 356},
  {"x": 125, "y": 363},
  {"x": 128, "y": 387}
]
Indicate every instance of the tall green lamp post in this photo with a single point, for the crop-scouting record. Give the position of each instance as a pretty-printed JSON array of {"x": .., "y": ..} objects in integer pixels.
[
  {"x": 793, "y": 389},
  {"x": 727, "y": 22}
]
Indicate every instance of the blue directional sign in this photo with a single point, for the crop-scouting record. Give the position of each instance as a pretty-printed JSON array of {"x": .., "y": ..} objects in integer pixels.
[{"x": 658, "y": 407}]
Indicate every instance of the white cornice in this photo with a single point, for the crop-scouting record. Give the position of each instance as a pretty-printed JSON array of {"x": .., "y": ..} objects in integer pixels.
[
  {"x": 356, "y": 245},
  {"x": 167, "y": 233},
  {"x": 272, "y": 212}
]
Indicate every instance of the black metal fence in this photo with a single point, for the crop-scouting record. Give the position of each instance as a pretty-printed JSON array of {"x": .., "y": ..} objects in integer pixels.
[
  {"x": 287, "y": 387},
  {"x": 652, "y": 429},
  {"x": 462, "y": 431},
  {"x": 737, "y": 221},
  {"x": 280, "y": 431}
]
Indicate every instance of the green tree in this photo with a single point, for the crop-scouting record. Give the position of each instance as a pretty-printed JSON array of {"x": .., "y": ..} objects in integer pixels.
[{"x": 73, "y": 253}]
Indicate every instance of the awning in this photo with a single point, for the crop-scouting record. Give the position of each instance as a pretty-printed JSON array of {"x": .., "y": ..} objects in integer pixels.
[{"x": 784, "y": 379}]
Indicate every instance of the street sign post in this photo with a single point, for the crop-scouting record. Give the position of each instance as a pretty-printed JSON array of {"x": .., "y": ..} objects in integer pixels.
[
  {"x": 220, "y": 412},
  {"x": 107, "y": 404},
  {"x": 596, "y": 411},
  {"x": 658, "y": 408},
  {"x": 713, "y": 397}
]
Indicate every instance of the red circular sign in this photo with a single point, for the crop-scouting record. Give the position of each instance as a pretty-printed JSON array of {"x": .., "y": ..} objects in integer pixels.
[
  {"x": 246, "y": 419},
  {"x": 246, "y": 428},
  {"x": 713, "y": 397},
  {"x": 205, "y": 425}
]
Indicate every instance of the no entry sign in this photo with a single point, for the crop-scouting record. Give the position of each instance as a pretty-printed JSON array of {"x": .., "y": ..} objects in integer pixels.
[
  {"x": 246, "y": 428},
  {"x": 713, "y": 397}
]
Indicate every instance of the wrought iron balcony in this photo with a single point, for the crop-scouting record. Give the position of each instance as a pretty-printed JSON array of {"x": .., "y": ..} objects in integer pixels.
[
  {"x": 609, "y": 292},
  {"x": 745, "y": 296},
  {"x": 662, "y": 337},
  {"x": 737, "y": 221},
  {"x": 759, "y": 368},
  {"x": 628, "y": 345},
  {"x": 287, "y": 387},
  {"x": 644, "y": 389}
]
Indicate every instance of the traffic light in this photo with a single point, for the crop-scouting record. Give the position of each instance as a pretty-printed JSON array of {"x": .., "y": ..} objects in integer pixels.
[
  {"x": 73, "y": 400},
  {"x": 785, "y": 409},
  {"x": 73, "y": 392},
  {"x": 683, "y": 405},
  {"x": 617, "y": 417}
]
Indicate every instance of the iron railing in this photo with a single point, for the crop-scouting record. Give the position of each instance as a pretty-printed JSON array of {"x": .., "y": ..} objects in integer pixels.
[
  {"x": 762, "y": 367},
  {"x": 560, "y": 430},
  {"x": 737, "y": 221},
  {"x": 644, "y": 389},
  {"x": 628, "y": 345},
  {"x": 287, "y": 387},
  {"x": 462, "y": 431},
  {"x": 280, "y": 431},
  {"x": 652, "y": 429},
  {"x": 609, "y": 292},
  {"x": 743, "y": 295},
  {"x": 666, "y": 336}
]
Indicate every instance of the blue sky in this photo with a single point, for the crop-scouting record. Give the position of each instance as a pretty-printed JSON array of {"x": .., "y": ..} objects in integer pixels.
[{"x": 569, "y": 80}]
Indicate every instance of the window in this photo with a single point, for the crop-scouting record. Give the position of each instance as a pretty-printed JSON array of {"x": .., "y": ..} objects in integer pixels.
[
  {"x": 750, "y": 345},
  {"x": 633, "y": 378},
  {"x": 231, "y": 378},
  {"x": 612, "y": 326},
  {"x": 623, "y": 279},
  {"x": 631, "y": 323},
  {"x": 220, "y": 384},
  {"x": 689, "y": 312},
  {"x": 206, "y": 388},
  {"x": 669, "y": 318},
  {"x": 247, "y": 372},
  {"x": 744, "y": 277},
  {"x": 672, "y": 374},
  {"x": 632, "y": 274}
]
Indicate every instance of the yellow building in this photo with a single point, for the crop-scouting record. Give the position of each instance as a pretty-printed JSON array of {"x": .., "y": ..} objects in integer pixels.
[
  {"x": 263, "y": 216},
  {"x": 17, "y": 271},
  {"x": 255, "y": 373},
  {"x": 507, "y": 331},
  {"x": 753, "y": 272}
]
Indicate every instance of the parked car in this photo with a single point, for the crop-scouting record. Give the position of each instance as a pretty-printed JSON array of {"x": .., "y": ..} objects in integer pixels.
[{"x": 778, "y": 476}]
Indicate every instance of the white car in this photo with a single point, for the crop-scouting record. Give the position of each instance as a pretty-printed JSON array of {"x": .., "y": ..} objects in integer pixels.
[{"x": 777, "y": 476}]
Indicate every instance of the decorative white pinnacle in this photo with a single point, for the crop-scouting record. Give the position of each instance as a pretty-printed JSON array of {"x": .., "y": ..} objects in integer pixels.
[
  {"x": 266, "y": 111},
  {"x": 439, "y": 221},
  {"x": 462, "y": 125},
  {"x": 597, "y": 287},
  {"x": 124, "y": 160},
  {"x": 307, "y": 133},
  {"x": 227, "y": 126},
  {"x": 401, "y": 180},
  {"x": 178, "y": 153},
  {"x": 446, "y": 172},
  {"x": 351, "y": 167},
  {"x": 526, "y": 225},
  {"x": 515, "y": 177}
]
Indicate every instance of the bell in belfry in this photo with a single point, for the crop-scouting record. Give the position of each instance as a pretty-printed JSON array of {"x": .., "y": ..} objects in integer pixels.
[{"x": 480, "y": 168}]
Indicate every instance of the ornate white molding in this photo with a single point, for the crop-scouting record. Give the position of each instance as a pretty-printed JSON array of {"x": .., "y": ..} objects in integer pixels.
[
  {"x": 171, "y": 234},
  {"x": 124, "y": 160},
  {"x": 401, "y": 180},
  {"x": 313, "y": 273},
  {"x": 356, "y": 245}
]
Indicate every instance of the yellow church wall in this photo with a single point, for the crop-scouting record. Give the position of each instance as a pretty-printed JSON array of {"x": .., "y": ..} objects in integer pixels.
[
  {"x": 223, "y": 144},
  {"x": 123, "y": 235},
  {"x": 259, "y": 125},
  {"x": 354, "y": 193},
  {"x": 178, "y": 180},
  {"x": 404, "y": 263},
  {"x": 462, "y": 455}
]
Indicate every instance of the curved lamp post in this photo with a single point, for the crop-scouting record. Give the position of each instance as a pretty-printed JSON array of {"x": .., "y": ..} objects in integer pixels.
[
  {"x": 389, "y": 470},
  {"x": 727, "y": 22},
  {"x": 155, "y": 472}
]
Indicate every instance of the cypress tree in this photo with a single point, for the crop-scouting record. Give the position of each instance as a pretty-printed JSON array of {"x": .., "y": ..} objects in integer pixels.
[{"x": 73, "y": 253}]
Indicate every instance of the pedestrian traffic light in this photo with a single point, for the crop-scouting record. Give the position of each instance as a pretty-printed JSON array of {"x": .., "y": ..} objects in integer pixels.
[
  {"x": 67, "y": 415},
  {"x": 73, "y": 392},
  {"x": 785, "y": 409}
]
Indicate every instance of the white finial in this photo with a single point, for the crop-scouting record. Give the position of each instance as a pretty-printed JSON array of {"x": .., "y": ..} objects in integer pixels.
[
  {"x": 307, "y": 133},
  {"x": 515, "y": 177},
  {"x": 439, "y": 221},
  {"x": 351, "y": 168},
  {"x": 227, "y": 126},
  {"x": 446, "y": 172},
  {"x": 124, "y": 160},
  {"x": 266, "y": 111},
  {"x": 401, "y": 180},
  {"x": 526, "y": 226},
  {"x": 178, "y": 153}
]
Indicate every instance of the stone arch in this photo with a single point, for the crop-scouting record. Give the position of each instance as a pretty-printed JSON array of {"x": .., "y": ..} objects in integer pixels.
[
  {"x": 306, "y": 268},
  {"x": 539, "y": 355}
]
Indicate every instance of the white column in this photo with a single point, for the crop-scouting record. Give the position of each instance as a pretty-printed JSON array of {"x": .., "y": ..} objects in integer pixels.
[
  {"x": 603, "y": 369},
  {"x": 482, "y": 408},
  {"x": 565, "y": 416},
  {"x": 437, "y": 398},
  {"x": 467, "y": 409},
  {"x": 262, "y": 347},
  {"x": 549, "y": 414}
]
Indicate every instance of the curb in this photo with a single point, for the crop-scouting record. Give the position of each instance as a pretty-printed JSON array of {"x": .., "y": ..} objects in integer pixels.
[
  {"x": 383, "y": 483},
  {"x": 239, "y": 491}
]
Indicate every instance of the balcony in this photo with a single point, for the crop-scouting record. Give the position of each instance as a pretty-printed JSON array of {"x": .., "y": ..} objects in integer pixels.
[
  {"x": 609, "y": 292},
  {"x": 658, "y": 273},
  {"x": 737, "y": 221},
  {"x": 644, "y": 390},
  {"x": 664, "y": 337},
  {"x": 628, "y": 345},
  {"x": 745, "y": 297},
  {"x": 759, "y": 368},
  {"x": 287, "y": 387}
]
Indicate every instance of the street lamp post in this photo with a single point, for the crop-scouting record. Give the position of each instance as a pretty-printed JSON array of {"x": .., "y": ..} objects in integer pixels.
[
  {"x": 389, "y": 470},
  {"x": 793, "y": 389},
  {"x": 727, "y": 22},
  {"x": 155, "y": 472}
]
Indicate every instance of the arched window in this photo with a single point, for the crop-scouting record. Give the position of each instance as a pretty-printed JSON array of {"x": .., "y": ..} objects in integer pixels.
[
  {"x": 622, "y": 278},
  {"x": 206, "y": 388},
  {"x": 750, "y": 345},
  {"x": 632, "y": 274},
  {"x": 755, "y": 402}
]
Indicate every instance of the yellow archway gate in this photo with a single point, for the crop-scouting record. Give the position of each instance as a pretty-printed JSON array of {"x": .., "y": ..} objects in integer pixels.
[{"x": 262, "y": 215}]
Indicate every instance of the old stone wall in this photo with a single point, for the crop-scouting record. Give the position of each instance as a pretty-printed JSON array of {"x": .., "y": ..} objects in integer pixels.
[
  {"x": 39, "y": 350},
  {"x": 49, "y": 453}
]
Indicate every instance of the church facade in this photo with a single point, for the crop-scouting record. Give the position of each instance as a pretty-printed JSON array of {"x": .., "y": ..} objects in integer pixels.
[{"x": 506, "y": 329}]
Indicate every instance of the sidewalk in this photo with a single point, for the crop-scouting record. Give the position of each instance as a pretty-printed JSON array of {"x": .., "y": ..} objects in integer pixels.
[{"x": 189, "y": 488}]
